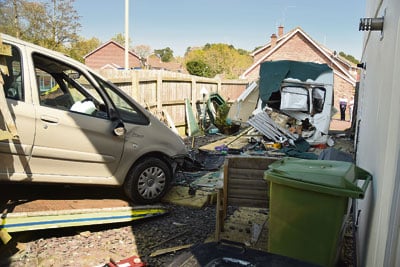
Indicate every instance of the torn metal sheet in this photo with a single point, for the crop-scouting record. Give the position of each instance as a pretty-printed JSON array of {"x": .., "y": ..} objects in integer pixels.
[{"x": 264, "y": 124}]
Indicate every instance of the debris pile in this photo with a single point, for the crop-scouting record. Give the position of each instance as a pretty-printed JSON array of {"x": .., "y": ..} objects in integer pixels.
[{"x": 287, "y": 112}]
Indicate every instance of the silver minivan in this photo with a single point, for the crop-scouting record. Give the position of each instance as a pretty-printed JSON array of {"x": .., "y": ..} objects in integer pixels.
[{"x": 75, "y": 127}]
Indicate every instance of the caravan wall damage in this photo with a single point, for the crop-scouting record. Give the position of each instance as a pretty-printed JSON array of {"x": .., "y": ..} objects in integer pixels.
[{"x": 294, "y": 99}]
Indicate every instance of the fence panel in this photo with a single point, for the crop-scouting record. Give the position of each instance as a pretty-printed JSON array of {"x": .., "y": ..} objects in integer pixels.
[{"x": 165, "y": 91}]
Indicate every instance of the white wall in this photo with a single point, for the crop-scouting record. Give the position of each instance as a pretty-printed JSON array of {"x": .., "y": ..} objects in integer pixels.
[{"x": 378, "y": 137}]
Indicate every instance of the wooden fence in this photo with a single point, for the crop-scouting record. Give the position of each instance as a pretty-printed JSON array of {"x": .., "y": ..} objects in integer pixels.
[{"x": 164, "y": 91}]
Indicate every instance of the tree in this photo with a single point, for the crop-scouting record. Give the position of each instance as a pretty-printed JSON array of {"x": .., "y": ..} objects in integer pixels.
[
  {"x": 349, "y": 57},
  {"x": 34, "y": 23},
  {"x": 10, "y": 14},
  {"x": 256, "y": 48},
  {"x": 64, "y": 23},
  {"x": 165, "y": 54},
  {"x": 82, "y": 47},
  {"x": 120, "y": 39},
  {"x": 142, "y": 50},
  {"x": 52, "y": 24},
  {"x": 199, "y": 68},
  {"x": 220, "y": 59}
]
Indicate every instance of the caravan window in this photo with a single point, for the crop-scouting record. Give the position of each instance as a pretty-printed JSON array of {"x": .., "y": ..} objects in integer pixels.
[
  {"x": 318, "y": 99},
  {"x": 294, "y": 98}
]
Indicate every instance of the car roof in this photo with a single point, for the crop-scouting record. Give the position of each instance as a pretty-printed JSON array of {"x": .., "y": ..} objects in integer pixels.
[{"x": 43, "y": 50}]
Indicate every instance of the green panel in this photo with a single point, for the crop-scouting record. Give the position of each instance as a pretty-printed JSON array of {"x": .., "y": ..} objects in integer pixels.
[{"x": 193, "y": 127}]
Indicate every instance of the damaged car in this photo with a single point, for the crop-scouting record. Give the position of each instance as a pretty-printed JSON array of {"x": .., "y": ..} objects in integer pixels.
[{"x": 75, "y": 127}]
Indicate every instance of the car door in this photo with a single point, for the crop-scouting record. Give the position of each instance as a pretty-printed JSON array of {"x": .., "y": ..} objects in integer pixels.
[
  {"x": 15, "y": 152},
  {"x": 74, "y": 139}
]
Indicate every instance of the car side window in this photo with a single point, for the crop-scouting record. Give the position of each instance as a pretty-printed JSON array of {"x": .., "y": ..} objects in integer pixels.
[
  {"x": 63, "y": 87},
  {"x": 126, "y": 110},
  {"x": 11, "y": 71}
]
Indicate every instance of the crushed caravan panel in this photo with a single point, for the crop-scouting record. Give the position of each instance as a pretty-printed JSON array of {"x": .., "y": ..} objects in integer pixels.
[
  {"x": 301, "y": 90},
  {"x": 245, "y": 104}
]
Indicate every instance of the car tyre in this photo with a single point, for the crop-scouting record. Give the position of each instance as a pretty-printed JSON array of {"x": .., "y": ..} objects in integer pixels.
[{"x": 148, "y": 181}]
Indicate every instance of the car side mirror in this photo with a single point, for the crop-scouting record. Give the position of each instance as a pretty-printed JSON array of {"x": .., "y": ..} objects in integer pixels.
[{"x": 119, "y": 128}]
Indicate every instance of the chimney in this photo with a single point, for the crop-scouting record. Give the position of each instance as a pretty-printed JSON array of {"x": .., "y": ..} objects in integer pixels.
[
  {"x": 273, "y": 40},
  {"x": 280, "y": 31}
]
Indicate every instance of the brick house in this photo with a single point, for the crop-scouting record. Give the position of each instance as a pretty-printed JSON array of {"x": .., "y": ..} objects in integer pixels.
[
  {"x": 155, "y": 63},
  {"x": 299, "y": 46},
  {"x": 111, "y": 55}
]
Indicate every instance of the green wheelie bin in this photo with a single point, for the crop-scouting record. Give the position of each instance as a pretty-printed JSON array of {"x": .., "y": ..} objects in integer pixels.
[{"x": 309, "y": 205}]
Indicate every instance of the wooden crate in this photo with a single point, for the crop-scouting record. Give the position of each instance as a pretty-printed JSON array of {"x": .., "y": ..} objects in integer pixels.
[{"x": 244, "y": 186}]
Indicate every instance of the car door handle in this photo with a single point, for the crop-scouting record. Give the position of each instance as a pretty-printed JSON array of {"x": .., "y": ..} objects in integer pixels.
[{"x": 49, "y": 119}]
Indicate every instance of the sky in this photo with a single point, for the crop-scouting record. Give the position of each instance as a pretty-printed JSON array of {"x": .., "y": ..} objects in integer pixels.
[{"x": 245, "y": 24}]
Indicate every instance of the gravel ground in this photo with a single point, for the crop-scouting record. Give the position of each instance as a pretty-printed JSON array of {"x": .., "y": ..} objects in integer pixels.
[{"x": 95, "y": 245}]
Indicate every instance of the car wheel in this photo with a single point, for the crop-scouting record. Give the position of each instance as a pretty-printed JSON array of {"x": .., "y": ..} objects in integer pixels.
[{"x": 148, "y": 181}]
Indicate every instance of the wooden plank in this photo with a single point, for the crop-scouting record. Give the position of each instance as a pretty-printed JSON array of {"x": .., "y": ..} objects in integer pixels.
[
  {"x": 247, "y": 173},
  {"x": 259, "y": 163},
  {"x": 230, "y": 141},
  {"x": 247, "y": 193},
  {"x": 168, "y": 250},
  {"x": 254, "y": 185},
  {"x": 171, "y": 123},
  {"x": 219, "y": 215},
  {"x": 225, "y": 189},
  {"x": 248, "y": 203},
  {"x": 27, "y": 221},
  {"x": 262, "y": 185}
]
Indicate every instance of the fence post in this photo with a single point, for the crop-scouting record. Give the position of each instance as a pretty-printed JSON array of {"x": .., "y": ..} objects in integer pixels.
[
  {"x": 158, "y": 92},
  {"x": 194, "y": 95},
  {"x": 134, "y": 86}
]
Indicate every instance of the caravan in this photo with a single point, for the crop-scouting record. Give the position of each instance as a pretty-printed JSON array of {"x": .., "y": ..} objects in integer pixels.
[{"x": 299, "y": 93}]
